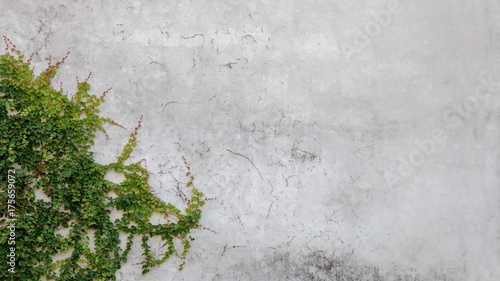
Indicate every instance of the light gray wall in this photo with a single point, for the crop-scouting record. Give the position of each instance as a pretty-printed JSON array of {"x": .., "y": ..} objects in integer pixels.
[{"x": 340, "y": 139}]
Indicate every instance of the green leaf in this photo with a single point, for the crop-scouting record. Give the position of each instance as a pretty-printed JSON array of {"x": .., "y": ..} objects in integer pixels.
[{"x": 50, "y": 139}]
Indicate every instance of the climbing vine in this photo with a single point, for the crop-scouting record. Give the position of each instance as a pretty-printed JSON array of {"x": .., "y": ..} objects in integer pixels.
[{"x": 56, "y": 201}]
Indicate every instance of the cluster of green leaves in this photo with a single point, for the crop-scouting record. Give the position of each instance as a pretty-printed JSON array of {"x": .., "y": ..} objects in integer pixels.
[{"x": 46, "y": 136}]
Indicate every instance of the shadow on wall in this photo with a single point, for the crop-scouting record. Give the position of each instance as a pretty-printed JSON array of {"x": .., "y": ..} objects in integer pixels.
[{"x": 320, "y": 266}]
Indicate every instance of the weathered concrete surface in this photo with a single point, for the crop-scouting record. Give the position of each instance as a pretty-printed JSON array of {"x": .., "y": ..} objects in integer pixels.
[{"x": 342, "y": 140}]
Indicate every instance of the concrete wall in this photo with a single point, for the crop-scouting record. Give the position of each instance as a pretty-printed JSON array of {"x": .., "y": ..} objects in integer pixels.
[{"x": 342, "y": 140}]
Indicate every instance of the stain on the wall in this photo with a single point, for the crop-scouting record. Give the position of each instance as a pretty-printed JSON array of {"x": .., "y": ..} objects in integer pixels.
[{"x": 319, "y": 266}]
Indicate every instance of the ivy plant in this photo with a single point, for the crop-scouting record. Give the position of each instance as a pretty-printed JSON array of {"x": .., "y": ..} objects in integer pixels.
[{"x": 45, "y": 141}]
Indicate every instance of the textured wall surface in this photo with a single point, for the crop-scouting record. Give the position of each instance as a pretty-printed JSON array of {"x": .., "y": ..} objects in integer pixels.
[{"x": 341, "y": 139}]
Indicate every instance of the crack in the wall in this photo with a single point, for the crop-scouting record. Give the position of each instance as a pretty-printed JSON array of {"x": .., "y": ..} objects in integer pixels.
[{"x": 251, "y": 162}]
